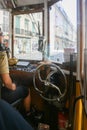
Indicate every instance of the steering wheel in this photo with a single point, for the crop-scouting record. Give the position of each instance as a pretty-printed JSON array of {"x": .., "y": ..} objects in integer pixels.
[{"x": 50, "y": 82}]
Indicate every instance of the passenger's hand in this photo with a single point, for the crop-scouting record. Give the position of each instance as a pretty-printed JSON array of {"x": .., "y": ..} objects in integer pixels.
[{"x": 13, "y": 86}]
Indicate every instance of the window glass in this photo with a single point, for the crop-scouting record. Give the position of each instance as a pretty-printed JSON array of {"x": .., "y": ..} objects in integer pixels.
[
  {"x": 5, "y": 26},
  {"x": 63, "y": 35},
  {"x": 26, "y": 43}
]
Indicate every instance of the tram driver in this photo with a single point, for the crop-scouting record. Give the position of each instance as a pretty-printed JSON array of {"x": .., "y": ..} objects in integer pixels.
[{"x": 10, "y": 92}]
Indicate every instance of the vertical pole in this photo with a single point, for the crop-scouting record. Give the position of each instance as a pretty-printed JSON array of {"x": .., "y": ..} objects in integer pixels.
[
  {"x": 79, "y": 37},
  {"x": 46, "y": 19},
  {"x": 46, "y": 27},
  {"x": 12, "y": 35}
]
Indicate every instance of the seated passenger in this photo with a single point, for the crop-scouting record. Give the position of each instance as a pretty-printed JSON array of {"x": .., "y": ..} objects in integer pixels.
[
  {"x": 10, "y": 119},
  {"x": 10, "y": 92}
]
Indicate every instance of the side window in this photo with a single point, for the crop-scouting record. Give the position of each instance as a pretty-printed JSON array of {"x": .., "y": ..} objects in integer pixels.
[{"x": 63, "y": 31}]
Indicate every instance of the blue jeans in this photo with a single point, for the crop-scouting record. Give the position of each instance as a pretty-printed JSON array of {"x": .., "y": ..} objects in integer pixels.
[
  {"x": 10, "y": 119},
  {"x": 11, "y": 96}
]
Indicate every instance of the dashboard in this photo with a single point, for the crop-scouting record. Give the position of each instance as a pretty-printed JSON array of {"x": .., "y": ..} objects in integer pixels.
[
  {"x": 25, "y": 66},
  {"x": 22, "y": 72}
]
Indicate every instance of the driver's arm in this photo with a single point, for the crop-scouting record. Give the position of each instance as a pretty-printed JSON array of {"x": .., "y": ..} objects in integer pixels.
[
  {"x": 4, "y": 71},
  {"x": 8, "y": 82}
]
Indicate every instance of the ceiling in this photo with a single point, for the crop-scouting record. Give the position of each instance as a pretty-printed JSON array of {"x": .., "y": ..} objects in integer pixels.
[
  {"x": 25, "y": 4},
  {"x": 19, "y": 3}
]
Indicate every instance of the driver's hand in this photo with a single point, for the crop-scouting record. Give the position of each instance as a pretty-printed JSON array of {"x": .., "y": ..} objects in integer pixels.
[{"x": 13, "y": 86}]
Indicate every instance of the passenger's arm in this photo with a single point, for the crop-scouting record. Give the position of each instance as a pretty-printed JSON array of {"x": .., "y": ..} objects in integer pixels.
[{"x": 7, "y": 81}]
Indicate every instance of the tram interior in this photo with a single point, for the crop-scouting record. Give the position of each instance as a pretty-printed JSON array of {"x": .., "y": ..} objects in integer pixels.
[{"x": 51, "y": 76}]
